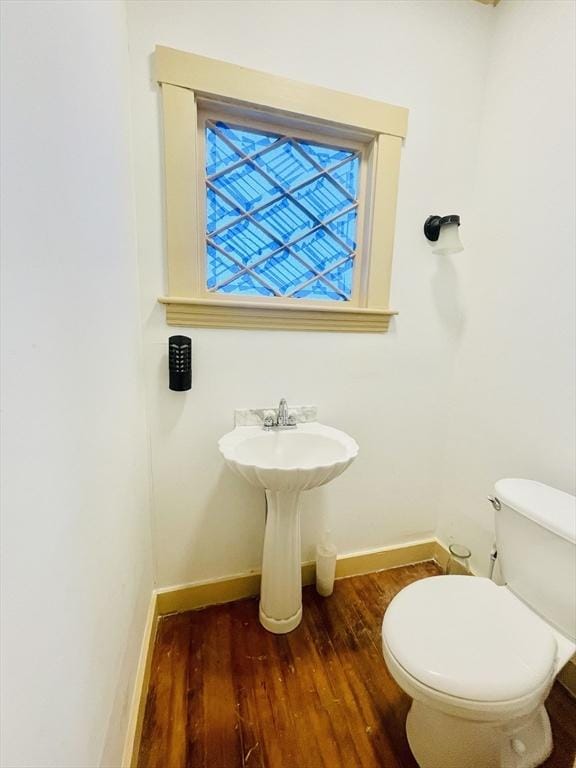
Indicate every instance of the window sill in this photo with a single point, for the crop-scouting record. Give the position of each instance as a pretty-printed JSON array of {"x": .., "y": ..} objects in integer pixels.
[{"x": 207, "y": 313}]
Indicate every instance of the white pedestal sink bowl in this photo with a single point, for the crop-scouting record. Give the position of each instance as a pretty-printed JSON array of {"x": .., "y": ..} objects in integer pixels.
[{"x": 285, "y": 463}]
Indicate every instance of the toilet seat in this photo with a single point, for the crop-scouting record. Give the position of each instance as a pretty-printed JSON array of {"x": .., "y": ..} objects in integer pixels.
[
  {"x": 469, "y": 642},
  {"x": 465, "y": 709}
]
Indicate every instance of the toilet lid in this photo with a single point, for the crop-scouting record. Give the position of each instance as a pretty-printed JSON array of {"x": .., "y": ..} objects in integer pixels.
[{"x": 467, "y": 637}]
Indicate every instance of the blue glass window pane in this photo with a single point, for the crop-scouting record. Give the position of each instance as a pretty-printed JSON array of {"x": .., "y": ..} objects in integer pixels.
[
  {"x": 218, "y": 212},
  {"x": 246, "y": 187},
  {"x": 320, "y": 250},
  {"x": 347, "y": 176},
  {"x": 286, "y": 165},
  {"x": 284, "y": 272},
  {"x": 247, "y": 285},
  {"x": 322, "y": 198},
  {"x": 266, "y": 190},
  {"x": 246, "y": 242},
  {"x": 218, "y": 154},
  {"x": 246, "y": 140},
  {"x": 323, "y": 155},
  {"x": 219, "y": 268},
  {"x": 345, "y": 227},
  {"x": 285, "y": 219},
  {"x": 341, "y": 277},
  {"x": 318, "y": 290}
]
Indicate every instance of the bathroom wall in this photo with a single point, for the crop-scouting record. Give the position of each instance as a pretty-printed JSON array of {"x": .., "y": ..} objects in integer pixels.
[
  {"x": 389, "y": 391},
  {"x": 512, "y": 402},
  {"x": 76, "y": 551}
]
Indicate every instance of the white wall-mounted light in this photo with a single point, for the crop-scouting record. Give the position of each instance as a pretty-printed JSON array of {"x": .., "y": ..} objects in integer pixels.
[{"x": 443, "y": 232}]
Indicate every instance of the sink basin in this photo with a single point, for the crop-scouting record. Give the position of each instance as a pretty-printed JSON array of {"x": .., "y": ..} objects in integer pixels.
[
  {"x": 284, "y": 463},
  {"x": 289, "y": 460}
]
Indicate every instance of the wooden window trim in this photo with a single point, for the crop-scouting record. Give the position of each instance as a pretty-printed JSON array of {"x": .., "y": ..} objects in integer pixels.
[{"x": 185, "y": 80}]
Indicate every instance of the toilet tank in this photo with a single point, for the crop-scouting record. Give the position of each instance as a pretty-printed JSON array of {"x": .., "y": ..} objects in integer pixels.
[{"x": 536, "y": 541}]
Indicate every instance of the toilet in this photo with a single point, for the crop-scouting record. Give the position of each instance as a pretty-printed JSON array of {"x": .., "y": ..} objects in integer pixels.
[{"x": 477, "y": 659}]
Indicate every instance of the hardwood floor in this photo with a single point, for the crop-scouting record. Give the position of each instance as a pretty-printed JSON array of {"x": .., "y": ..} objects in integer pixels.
[{"x": 226, "y": 693}]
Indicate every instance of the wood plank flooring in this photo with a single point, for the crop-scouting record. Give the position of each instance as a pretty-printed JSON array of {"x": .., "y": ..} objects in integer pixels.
[{"x": 224, "y": 693}]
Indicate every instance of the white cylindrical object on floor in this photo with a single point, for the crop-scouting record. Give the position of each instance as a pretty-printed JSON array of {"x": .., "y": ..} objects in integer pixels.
[{"x": 325, "y": 569}]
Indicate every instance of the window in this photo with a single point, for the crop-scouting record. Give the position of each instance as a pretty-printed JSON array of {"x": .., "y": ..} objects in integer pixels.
[
  {"x": 277, "y": 217},
  {"x": 281, "y": 213}
]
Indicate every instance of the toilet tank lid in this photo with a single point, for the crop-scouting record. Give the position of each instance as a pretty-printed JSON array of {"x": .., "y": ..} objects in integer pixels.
[{"x": 552, "y": 509}]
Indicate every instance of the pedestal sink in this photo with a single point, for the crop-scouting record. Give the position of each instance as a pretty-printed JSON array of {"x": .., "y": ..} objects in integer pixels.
[{"x": 285, "y": 463}]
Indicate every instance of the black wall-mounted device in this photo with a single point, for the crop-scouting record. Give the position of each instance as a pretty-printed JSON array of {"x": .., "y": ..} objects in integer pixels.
[{"x": 180, "y": 363}]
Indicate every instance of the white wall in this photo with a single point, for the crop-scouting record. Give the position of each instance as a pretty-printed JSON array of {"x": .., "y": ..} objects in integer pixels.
[
  {"x": 389, "y": 390},
  {"x": 76, "y": 551},
  {"x": 475, "y": 381},
  {"x": 512, "y": 404}
]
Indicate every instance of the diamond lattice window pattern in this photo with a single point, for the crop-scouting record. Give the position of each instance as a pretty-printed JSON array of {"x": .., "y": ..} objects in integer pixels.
[{"x": 281, "y": 215}]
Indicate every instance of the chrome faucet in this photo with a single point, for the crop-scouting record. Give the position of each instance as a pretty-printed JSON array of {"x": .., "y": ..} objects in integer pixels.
[{"x": 282, "y": 419}]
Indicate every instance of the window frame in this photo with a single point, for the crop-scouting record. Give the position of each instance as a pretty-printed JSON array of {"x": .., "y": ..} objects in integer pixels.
[{"x": 192, "y": 87}]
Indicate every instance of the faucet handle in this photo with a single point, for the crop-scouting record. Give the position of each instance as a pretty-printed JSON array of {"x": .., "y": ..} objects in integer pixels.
[
  {"x": 291, "y": 421},
  {"x": 269, "y": 420}
]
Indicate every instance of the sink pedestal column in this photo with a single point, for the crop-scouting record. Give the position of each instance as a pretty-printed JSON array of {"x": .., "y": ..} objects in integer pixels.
[{"x": 281, "y": 588}]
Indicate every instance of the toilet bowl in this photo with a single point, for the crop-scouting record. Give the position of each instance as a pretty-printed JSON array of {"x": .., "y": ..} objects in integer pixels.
[
  {"x": 478, "y": 664},
  {"x": 477, "y": 659}
]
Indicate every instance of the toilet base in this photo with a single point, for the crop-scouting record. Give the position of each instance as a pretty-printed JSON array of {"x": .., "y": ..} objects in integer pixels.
[{"x": 437, "y": 739}]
